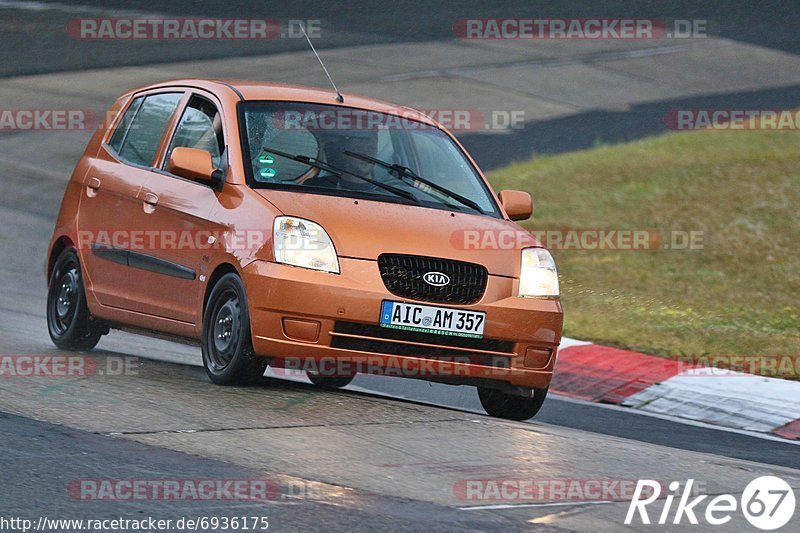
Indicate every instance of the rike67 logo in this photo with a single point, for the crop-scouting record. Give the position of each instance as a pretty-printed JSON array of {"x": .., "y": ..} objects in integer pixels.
[{"x": 768, "y": 503}]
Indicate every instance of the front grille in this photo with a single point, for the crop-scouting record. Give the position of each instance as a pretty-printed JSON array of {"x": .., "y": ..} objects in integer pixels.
[
  {"x": 473, "y": 352},
  {"x": 403, "y": 276}
]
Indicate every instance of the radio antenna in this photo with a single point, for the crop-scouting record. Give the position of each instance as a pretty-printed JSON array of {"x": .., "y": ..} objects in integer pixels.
[{"x": 339, "y": 97}]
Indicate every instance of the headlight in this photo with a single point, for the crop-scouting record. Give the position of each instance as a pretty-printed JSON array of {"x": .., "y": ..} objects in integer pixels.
[
  {"x": 538, "y": 276},
  {"x": 305, "y": 244}
]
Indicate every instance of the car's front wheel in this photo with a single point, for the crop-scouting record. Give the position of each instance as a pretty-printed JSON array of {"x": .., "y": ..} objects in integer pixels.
[
  {"x": 510, "y": 406},
  {"x": 228, "y": 354},
  {"x": 69, "y": 323}
]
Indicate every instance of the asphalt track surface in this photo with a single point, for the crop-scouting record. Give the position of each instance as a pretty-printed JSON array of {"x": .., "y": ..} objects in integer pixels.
[
  {"x": 37, "y": 35},
  {"x": 382, "y": 454}
]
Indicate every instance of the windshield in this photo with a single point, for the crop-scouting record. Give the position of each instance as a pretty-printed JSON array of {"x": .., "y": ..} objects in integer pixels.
[{"x": 361, "y": 154}]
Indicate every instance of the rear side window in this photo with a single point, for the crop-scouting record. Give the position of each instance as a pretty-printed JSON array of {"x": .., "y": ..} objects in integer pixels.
[
  {"x": 146, "y": 127},
  {"x": 124, "y": 124}
]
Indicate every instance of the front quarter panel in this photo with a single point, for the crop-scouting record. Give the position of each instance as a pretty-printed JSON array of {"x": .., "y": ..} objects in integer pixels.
[{"x": 241, "y": 230}]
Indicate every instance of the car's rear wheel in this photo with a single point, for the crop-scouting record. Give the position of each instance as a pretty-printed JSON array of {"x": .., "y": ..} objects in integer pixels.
[
  {"x": 510, "y": 406},
  {"x": 329, "y": 382},
  {"x": 69, "y": 323},
  {"x": 228, "y": 354}
]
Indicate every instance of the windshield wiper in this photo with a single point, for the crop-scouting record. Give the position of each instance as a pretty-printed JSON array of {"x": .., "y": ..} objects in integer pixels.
[
  {"x": 402, "y": 171},
  {"x": 314, "y": 162}
]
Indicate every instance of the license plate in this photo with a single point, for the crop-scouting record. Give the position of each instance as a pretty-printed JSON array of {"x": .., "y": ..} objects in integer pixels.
[{"x": 432, "y": 319}]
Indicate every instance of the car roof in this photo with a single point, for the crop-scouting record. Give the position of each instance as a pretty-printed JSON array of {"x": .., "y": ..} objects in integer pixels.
[{"x": 264, "y": 90}]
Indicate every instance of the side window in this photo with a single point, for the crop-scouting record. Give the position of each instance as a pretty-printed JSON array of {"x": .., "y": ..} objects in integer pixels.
[
  {"x": 139, "y": 145},
  {"x": 200, "y": 127},
  {"x": 124, "y": 124}
]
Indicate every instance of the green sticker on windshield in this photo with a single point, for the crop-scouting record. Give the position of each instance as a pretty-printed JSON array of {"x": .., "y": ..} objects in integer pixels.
[
  {"x": 267, "y": 172},
  {"x": 266, "y": 160}
]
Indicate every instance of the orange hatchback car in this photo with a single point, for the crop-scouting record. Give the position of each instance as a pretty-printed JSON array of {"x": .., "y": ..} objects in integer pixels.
[{"x": 279, "y": 225}]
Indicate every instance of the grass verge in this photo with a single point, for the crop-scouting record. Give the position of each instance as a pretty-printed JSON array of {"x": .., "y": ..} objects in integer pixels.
[{"x": 738, "y": 294}]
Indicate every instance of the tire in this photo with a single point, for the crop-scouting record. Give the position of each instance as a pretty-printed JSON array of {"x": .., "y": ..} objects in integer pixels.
[
  {"x": 69, "y": 323},
  {"x": 328, "y": 382},
  {"x": 228, "y": 355},
  {"x": 509, "y": 406}
]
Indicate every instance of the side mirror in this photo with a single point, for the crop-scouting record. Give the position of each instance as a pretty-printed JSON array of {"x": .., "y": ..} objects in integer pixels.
[
  {"x": 193, "y": 164},
  {"x": 517, "y": 204}
]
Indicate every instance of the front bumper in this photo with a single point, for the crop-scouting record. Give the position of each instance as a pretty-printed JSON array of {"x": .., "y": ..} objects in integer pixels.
[{"x": 299, "y": 315}]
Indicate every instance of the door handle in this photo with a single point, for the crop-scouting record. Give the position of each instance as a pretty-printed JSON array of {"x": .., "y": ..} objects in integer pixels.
[
  {"x": 92, "y": 186},
  {"x": 150, "y": 202}
]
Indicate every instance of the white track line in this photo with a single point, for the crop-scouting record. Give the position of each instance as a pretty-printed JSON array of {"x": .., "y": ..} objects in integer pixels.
[
  {"x": 524, "y": 505},
  {"x": 567, "y": 342}
]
